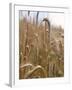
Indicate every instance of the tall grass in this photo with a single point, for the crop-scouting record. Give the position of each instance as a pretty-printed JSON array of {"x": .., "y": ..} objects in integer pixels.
[{"x": 41, "y": 49}]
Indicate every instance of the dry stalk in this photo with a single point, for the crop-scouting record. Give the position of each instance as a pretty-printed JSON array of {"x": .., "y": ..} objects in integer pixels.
[
  {"x": 24, "y": 69},
  {"x": 37, "y": 18},
  {"x": 38, "y": 69},
  {"x": 26, "y": 41},
  {"x": 47, "y": 22}
]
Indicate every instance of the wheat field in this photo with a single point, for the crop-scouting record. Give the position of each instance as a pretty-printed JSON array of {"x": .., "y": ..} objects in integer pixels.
[{"x": 41, "y": 49}]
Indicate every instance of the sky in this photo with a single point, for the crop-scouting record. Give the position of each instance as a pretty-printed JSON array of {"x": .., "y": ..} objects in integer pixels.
[{"x": 56, "y": 19}]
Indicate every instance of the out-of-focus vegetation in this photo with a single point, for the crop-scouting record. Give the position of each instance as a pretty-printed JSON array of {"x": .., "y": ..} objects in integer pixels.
[{"x": 41, "y": 52}]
